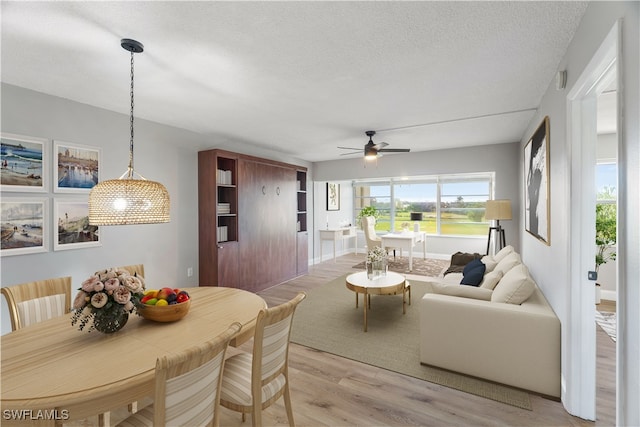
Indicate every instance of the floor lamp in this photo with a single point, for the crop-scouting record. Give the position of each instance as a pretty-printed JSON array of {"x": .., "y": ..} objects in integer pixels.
[{"x": 497, "y": 210}]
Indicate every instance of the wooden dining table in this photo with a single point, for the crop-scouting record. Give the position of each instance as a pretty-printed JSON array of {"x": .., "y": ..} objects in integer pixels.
[{"x": 53, "y": 370}]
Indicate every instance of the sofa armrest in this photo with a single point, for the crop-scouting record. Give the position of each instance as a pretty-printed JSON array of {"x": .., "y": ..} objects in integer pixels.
[
  {"x": 457, "y": 290},
  {"x": 506, "y": 343}
]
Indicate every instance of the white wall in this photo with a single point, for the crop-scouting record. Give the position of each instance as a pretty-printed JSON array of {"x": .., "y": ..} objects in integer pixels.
[
  {"x": 162, "y": 153},
  {"x": 549, "y": 264},
  {"x": 503, "y": 159}
]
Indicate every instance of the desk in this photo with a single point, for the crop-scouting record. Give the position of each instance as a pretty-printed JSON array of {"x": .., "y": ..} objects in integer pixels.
[
  {"x": 406, "y": 240},
  {"x": 52, "y": 365},
  {"x": 336, "y": 234}
]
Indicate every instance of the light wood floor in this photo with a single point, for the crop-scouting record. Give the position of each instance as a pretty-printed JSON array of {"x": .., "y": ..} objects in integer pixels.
[{"x": 332, "y": 391}]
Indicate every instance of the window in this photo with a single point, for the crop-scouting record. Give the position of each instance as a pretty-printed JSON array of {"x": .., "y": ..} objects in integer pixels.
[{"x": 449, "y": 204}]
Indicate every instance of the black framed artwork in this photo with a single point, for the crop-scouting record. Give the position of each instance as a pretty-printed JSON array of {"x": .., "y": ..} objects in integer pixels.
[
  {"x": 536, "y": 177},
  {"x": 333, "y": 196}
]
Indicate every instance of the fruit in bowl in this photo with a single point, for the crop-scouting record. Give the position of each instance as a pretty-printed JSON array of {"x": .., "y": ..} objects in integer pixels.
[{"x": 164, "y": 305}]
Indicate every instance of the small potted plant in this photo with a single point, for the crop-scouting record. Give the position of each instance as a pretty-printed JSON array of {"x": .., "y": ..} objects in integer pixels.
[{"x": 366, "y": 211}]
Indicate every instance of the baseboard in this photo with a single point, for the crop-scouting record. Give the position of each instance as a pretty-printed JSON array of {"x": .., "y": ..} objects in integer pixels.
[{"x": 609, "y": 295}]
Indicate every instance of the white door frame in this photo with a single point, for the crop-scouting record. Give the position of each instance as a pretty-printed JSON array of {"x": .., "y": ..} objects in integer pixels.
[{"x": 579, "y": 388}]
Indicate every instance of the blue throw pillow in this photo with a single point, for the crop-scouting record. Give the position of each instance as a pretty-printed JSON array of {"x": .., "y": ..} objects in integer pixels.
[
  {"x": 471, "y": 265},
  {"x": 474, "y": 276}
]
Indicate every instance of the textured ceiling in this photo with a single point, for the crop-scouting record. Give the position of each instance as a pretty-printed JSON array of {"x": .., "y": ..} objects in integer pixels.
[{"x": 301, "y": 77}]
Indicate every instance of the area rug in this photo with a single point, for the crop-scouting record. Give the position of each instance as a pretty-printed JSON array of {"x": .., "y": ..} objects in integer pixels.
[
  {"x": 328, "y": 320},
  {"x": 607, "y": 321},
  {"x": 430, "y": 267}
]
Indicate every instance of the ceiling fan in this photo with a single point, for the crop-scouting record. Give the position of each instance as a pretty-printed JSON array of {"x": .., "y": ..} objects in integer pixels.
[{"x": 371, "y": 150}]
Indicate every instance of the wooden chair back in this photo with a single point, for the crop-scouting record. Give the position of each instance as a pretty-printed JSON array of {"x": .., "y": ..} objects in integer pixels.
[
  {"x": 134, "y": 270},
  {"x": 34, "y": 302},
  {"x": 187, "y": 386}
]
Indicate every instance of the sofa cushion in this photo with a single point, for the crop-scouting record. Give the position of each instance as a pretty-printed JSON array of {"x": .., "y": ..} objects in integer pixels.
[
  {"x": 515, "y": 287},
  {"x": 508, "y": 262},
  {"x": 491, "y": 279},
  {"x": 473, "y": 273},
  {"x": 489, "y": 262},
  {"x": 503, "y": 253}
]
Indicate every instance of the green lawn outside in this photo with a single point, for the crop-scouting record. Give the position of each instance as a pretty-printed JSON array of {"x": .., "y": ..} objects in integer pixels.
[{"x": 452, "y": 224}]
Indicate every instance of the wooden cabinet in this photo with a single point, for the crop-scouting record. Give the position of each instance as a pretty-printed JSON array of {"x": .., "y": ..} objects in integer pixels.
[
  {"x": 261, "y": 210},
  {"x": 218, "y": 218},
  {"x": 302, "y": 241}
]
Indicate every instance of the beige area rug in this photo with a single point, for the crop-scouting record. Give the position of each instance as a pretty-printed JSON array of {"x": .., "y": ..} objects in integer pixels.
[
  {"x": 327, "y": 320},
  {"x": 429, "y": 267}
]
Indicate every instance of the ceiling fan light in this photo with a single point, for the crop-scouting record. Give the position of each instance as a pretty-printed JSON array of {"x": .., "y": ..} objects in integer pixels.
[{"x": 128, "y": 201}]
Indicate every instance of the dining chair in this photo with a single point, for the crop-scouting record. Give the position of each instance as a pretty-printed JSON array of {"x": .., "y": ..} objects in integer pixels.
[
  {"x": 252, "y": 382},
  {"x": 34, "y": 302},
  {"x": 187, "y": 386},
  {"x": 371, "y": 237},
  {"x": 134, "y": 270}
]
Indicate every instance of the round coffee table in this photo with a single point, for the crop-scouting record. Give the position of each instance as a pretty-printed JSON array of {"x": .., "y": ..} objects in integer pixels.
[{"x": 391, "y": 284}]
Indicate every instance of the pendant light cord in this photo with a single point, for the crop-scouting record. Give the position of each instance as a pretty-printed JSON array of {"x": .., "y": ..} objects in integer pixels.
[{"x": 131, "y": 125}]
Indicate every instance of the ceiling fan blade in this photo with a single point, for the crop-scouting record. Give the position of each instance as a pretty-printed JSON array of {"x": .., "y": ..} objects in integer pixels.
[
  {"x": 394, "y": 150},
  {"x": 351, "y": 148},
  {"x": 380, "y": 145}
]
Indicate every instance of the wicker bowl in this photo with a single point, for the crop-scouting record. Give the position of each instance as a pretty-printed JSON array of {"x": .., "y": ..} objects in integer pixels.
[{"x": 165, "y": 313}]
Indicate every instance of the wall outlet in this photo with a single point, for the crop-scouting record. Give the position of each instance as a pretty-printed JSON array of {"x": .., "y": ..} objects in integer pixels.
[{"x": 190, "y": 272}]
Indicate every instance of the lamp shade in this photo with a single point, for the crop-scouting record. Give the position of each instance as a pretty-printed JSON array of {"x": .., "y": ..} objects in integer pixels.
[
  {"x": 416, "y": 216},
  {"x": 128, "y": 201},
  {"x": 498, "y": 209}
]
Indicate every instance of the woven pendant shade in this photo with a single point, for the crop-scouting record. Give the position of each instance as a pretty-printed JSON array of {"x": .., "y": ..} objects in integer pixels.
[{"x": 128, "y": 201}]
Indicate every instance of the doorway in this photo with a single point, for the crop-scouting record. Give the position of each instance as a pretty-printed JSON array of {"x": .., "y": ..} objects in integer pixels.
[{"x": 579, "y": 395}]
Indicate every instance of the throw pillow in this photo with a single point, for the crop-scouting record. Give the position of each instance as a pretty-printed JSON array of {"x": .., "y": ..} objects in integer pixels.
[
  {"x": 459, "y": 260},
  {"x": 471, "y": 265},
  {"x": 473, "y": 276},
  {"x": 489, "y": 262},
  {"x": 508, "y": 262},
  {"x": 491, "y": 280},
  {"x": 503, "y": 253},
  {"x": 515, "y": 287}
]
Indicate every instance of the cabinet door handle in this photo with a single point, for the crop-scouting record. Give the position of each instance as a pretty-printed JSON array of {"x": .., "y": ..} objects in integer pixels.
[
  {"x": 264, "y": 190},
  {"x": 278, "y": 191}
]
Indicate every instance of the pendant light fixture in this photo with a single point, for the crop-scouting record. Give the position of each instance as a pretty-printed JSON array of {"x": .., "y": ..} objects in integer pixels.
[{"x": 128, "y": 200}]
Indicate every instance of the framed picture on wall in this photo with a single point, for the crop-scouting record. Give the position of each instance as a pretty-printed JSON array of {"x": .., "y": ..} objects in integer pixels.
[
  {"x": 536, "y": 178},
  {"x": 72, "y": 226},
  {"x": 23, "y": 162},
  {"x": 333, "y": 196},
  {"x": 24, "y": 225},
  {"x": 77, "y": 167}
]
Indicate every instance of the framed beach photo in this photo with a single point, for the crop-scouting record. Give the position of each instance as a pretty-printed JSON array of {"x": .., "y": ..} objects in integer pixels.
[
  {"x": 23, "y": 162},
  {"x": 536, "y": 178},
  {"x": 333, "y": 196},
  {"x": 72, "y": 226},
  {"x": 24, "y": 224},
  {"x": 76, "y": 167}
]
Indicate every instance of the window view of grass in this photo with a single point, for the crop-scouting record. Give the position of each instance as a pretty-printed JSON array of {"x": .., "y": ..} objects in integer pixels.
[{"x": 461, "y": 202}]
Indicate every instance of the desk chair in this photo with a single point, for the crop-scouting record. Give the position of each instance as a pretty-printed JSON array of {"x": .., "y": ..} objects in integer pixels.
[
  {"x": 370, "y": 235},
  {"x": 252, "y": 382},
  {"x": 34, "y": 302},
  {"x": 187, "y": 386}
]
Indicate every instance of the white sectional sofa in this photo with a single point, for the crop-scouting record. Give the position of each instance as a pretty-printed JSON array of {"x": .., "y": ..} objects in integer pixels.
[{"x": 504, "y": 330}]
